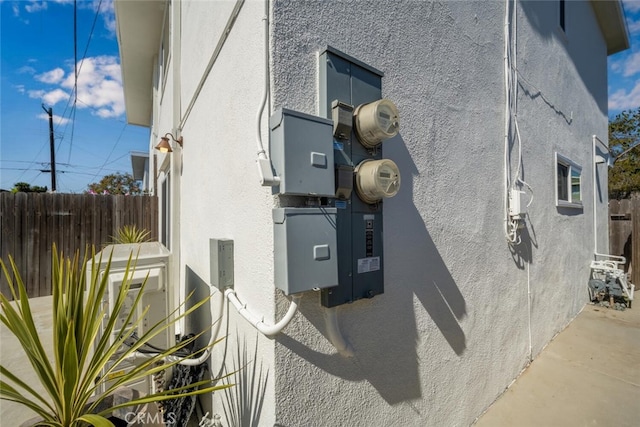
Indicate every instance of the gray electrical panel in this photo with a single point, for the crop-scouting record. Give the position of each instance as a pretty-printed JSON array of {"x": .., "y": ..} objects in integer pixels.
[
  {"x": 345, "y": 80},
  {"x": 305, "y": 248},
  {"x": 302, "y": 153}
]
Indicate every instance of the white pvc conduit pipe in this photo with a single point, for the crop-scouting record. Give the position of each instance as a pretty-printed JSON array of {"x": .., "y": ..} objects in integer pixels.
[
  {"x": 334, "y": 334},
  {"x": 259, "y": 324}
]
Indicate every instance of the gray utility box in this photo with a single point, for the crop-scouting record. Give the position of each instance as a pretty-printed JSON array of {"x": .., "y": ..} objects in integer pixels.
[
  {"x": 302, "y": 153},
  {"x": 305, "y": 248}
]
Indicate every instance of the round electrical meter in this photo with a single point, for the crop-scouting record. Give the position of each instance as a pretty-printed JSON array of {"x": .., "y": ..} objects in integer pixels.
[
  {"x": 377, "y": 179},
  {"x": 376, "y": 122}
]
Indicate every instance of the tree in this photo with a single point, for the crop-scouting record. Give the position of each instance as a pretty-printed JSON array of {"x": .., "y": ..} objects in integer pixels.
[
  {"x": 24, "y": 187},
  {"x": 115, "y": 183},
  {"x": 624, "y": 133}
]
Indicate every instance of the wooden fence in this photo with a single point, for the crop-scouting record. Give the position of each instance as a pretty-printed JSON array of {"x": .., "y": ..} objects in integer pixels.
[
  {"x": 624, "y": 234},
  {"x": 31, "y": 222}
]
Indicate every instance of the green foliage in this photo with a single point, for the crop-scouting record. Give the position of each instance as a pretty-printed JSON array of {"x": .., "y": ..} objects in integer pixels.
[
  {"x": 115, "y": 183},
  {"x": 75, "y": 374},
  {"x": 131, "y": 234},
  {"x": 243, "y": 404},
  {"x": 624, "y": 133},
  {"x": 25, "y": 187}
]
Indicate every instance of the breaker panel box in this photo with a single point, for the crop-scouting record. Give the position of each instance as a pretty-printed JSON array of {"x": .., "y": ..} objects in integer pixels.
[
  {"x": 302, "y": 153},
  {"x": 346, "y": 80},
  {"x": 305, "y": 249},
  {"x": 152, "y": 265}
]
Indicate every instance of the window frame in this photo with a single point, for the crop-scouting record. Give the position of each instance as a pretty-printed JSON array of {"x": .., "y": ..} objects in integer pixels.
[{"x": 572, "y": 168}]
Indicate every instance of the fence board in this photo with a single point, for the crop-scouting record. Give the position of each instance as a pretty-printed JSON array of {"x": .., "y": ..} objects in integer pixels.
[{"x": 32, "y": 222}]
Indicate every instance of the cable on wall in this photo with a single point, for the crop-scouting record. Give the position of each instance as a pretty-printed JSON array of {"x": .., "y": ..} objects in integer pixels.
[
  {"x": 267, "y": 178},
  {"x": 514, "y": 221},
  {"x": 513, "y": 182}
]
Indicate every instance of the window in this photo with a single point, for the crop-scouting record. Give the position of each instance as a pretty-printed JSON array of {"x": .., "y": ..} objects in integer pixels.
[
  {"x": 568, "y": 183},
  {"x": 562, "y": 16}
]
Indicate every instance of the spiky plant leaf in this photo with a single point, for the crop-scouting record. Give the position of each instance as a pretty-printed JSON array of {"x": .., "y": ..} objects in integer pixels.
[
  {"x": 131, "y": 234},
  {"x": 69, "y": 380}
]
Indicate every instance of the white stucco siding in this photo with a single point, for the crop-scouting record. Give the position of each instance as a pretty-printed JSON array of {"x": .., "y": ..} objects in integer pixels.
[
  {"x": 563, "y": 103},
  {"x": 452, "y": 328},
  {"x": 217, "y": 185}
]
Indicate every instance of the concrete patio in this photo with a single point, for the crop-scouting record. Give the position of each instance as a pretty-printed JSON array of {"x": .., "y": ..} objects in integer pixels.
[{"x": 589, "y": 375}]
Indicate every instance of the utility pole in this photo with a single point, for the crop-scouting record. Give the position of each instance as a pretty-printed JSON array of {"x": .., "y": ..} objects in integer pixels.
[{"x": 49, "y": 111}]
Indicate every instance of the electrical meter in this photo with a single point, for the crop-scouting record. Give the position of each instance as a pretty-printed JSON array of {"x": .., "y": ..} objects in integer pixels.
[
  {"x": 377, "y": 179},
  {"x": 376, "y": 122}
]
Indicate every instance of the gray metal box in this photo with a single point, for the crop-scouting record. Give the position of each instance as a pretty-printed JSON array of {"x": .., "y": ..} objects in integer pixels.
[
  {"x": 221, "y": 253},
  {"x": 305, "y": 248},
  {"x": 302, "y": 153}
]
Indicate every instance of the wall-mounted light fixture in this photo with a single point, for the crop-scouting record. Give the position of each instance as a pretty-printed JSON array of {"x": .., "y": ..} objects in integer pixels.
[{"x": 164, "y": 146}]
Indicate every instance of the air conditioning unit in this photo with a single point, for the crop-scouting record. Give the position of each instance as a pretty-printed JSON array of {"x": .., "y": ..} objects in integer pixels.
[{"x": 152, "y": 264}]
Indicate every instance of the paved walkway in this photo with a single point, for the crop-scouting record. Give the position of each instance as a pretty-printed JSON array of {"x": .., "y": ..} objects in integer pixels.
[{"x": 589, "y": 375}]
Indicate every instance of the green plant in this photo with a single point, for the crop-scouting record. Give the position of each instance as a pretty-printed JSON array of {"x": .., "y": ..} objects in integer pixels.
[
  {"x": 243, "y": 404},
  {"x": 131, "y": 234},
  {"x": 70, "y": 381}
]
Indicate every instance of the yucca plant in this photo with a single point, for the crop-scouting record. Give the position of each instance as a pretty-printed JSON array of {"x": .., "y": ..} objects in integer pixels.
[
  {"x": 78, "y": 311},
  {"x": 131, "y": 234}
]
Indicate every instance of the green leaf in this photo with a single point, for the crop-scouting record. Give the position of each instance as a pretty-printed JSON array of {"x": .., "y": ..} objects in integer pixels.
[
  {"x": 96, "y": 420},
  {"x": 80, "y": 352}
]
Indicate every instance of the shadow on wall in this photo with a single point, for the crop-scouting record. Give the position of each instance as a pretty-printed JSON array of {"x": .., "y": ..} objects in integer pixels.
[
  {"x": 198, "y": 321},
  {"x": 543, "y": 16},
  {"x": 383, "y": 330}
]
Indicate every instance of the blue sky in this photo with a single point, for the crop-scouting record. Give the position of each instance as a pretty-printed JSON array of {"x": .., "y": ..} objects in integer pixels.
[
  {"x": 624, "y": 67},
  {"x": 37, "y": 50}
]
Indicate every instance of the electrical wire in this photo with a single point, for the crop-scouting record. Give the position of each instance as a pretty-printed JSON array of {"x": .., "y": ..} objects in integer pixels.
[
  {"x": 512, "y": 128},
  {"x": 112, "y": 150}
]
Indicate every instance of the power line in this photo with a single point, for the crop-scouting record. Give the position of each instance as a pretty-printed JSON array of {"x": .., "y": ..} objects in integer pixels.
[
  {"x": 112, "y": 149},
  {"x": 75, "y": 74},
  {"x": 84, "y": 55}
]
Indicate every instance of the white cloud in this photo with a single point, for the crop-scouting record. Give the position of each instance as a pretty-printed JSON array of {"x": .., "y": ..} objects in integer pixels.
[
  {"x": 631, "y": 5},
  {"x": 51, "y": 97},
  {"x": 26, "y": 70},
  {"x": 623, "y": 100},
  {"x": 99, "y": 86},
  {"x": 108, "y": 16},
  {"x": 36, "y": 93},
  {"x": 634, "y": 26},
  {"x": 35, "y": 6},
  {"x": 52, "y": 77},
  {"x": 55, "y": 96},
  {"x": 628, "y": 66},
  {"x": 20, "y": 88},
  {"x": 16, "y": 9},
  {"x": 57, "y": 120}
]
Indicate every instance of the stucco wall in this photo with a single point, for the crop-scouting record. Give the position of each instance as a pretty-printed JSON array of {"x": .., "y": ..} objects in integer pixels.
[
  {"x": 462, "y": 312},
  {"x": 216, "y": 187},
  {"x": 452, "y": 328}
]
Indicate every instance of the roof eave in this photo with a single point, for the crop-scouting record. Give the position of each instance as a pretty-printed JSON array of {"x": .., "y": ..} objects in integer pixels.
[
  {"x": 139, "y": 30},
  {"x": 610, "y": 15}
]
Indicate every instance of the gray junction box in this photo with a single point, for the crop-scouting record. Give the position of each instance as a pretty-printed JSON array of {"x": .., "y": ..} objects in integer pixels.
[
  {"x": 305, "y": 248},
  {"x": 302, "y": 153}
]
